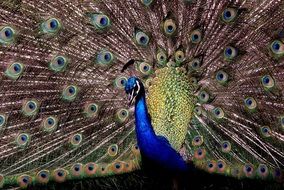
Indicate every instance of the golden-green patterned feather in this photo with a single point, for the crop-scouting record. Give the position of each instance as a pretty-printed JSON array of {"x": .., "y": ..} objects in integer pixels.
[{"x": 213, "y": 72}]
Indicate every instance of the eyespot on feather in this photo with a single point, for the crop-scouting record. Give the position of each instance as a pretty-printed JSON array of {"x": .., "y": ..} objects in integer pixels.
[
  {"x": 51, "y": 26},
  {"x": 203, "y": 96},
  {"x": 100, "y": 21},
  {"x": 43, "y": 176},
  {"x": 77, "y": 170},
  {"x": 122, "y": 115},
  {"x": 112, "y": 150},
  {"x": 230, "y": 53},
  {"x": 169, "y": 27},
  {"x": 145, "y": 68},
  {"x": 90, "y": 169},
  {"x": 70, "y": 92},
  {"x": 59, "y": 175},
  {"x": 197, "y": 140},
  {"x": 179, "y": 56},
  {"x": 59, "y": 63},
  {"x": 200, "y": 153},
  {"x": 7, "y": 35},
  {"x": 218, "y": 113},
  {"x": 250, "y": 103},
  {"x": 161, "y": 57},
  {"x": 248, "y": 170},
  {"x": 222, "y": 77},
  {"x": 221, "y": 166},
  {"x": 267, "y": 82},
  {"x": 76, "y": 140},
  {"x": 120, "y": 82},
  {"x": 24, "y": 180},
  {"x": 49, "y": 124},
  {"x": 196, "y": 36},
  {"x": 265, "y": 131},
  {"x": 30, "y": 107},
  {"x": 14, "y": 70},
  {"x": 262, "y": 171},
  {"x": 229, "y": 15},
  {"x": 91, "y": 109},
  {"x": 141, "y": 38},
  {"x": 22, "y": 140},
  {"x": 104, "y": 58},
  {"x": 211, "y": 166},
  {"x": 226, "y": 146}
]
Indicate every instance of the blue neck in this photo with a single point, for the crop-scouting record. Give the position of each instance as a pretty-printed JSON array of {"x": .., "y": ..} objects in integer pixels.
[{"x": 143, "y": 121}]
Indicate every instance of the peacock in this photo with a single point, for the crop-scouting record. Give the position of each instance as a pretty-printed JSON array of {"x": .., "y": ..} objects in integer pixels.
[{"x": 93, "y": 88}]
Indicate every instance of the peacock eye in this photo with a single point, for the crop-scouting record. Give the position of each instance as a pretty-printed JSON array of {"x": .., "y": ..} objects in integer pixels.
[
  {"x": 203, "y": 96},
  {"x": 3, "y": 119},
  {"x": 250, "y": 103},
  {"x": 76, "y": 140},
  {"x": 142, "y": 38},
  {"x": 147, "y": 2},
  {"x": 161, "y": 57},
  {"x": 7, "y": 35},
  {"x": 195, "y": 64},
  {"x": 43, "y": 176},
  {"x": 59, "y": 175},
  {"x": 195, "y": 36},
  {"x": 226, "y": 146},
  {"x": 248, "y": 170},
  {"x": 265, "y": 131},
  {"x": 120, "y": 82},
  {"x": 100, "y": 21},
  {"x": 122, "y": 115},
  {"x": 50, "y": 123},
  {"x": 267, "y": 82},
  {"x": 70, "y": 92},
  {"x": 104, "y": 58},
  {"x": 277, "y": 47},
  {"x": 221, "y": 77},
  {"x": 262, "y": 170},
  {"x": 22, "y": 140},
  {"x": 14, "y": 70},
  {"x": 24, "y": 181},
  {"x": 179, "y": 56},
  {"x": 218, "y": 112},
  {"x": 30, "y": 107},
  {"x": 198, "y": 110},
  {"x": 112, "y": 150},
  {"x": 90, "y": 168},
  {"x": 169, "y": 27},
  {"x": 230, "y": 53},
  {"x": 51, "y": 25},
  {"x": 197, "y": 140},
  {"x": 145, "y": 68},
  {"x": 229, "y": 15},
  {"x": 221, "y": 166},
  {"x": 58, "y": 64},
  {"x": 76, "y": 169},
  {"x": 91, "y": 109}
]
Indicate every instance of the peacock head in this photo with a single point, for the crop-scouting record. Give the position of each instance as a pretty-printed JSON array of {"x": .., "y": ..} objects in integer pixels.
[{"x": 134, "y": 88}]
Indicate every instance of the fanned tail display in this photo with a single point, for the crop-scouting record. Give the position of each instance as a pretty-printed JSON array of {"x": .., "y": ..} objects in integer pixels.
[{"x": 213, "y": 73}]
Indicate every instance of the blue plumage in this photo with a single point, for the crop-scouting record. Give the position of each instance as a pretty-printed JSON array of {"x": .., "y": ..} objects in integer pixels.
[{"x": 153, "y": 147}]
